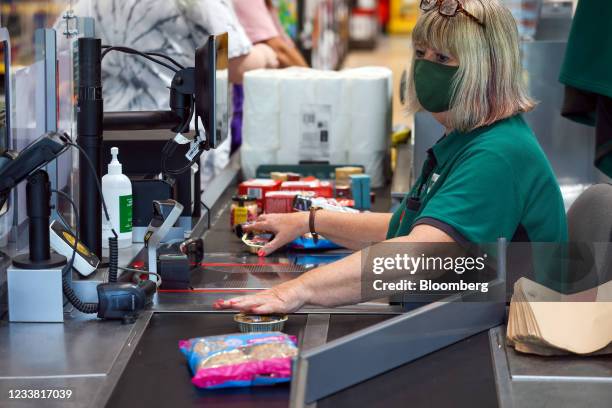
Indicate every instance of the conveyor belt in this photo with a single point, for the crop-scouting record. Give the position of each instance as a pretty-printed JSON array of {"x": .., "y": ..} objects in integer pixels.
[
  {"x": 460, "y": 375},
  {"x": 157, "y": 374}
]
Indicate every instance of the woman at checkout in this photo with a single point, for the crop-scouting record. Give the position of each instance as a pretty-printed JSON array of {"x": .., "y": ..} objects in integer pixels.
[{"x": 486, "y": 178}]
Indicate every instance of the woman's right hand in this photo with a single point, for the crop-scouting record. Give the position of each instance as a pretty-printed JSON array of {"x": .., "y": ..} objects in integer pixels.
[{"x": 285, "y": 227}]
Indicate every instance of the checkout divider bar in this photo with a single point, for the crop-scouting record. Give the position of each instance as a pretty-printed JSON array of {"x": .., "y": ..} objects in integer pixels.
[
  {"x": 501, "y": 369},
  {"x": 341, "y": 363}
]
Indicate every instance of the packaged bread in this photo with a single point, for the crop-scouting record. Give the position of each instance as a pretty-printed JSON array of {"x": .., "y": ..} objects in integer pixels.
[{"x": 240, "y": 360}]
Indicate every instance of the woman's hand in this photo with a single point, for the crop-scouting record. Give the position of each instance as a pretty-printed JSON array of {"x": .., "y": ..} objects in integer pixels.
[
  {"x": 286, "y": 227},
  {"x": 285, "y": 298}
]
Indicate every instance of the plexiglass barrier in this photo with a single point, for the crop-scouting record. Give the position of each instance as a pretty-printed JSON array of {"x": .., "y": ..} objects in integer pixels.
[{"x": 42, "y": 78}]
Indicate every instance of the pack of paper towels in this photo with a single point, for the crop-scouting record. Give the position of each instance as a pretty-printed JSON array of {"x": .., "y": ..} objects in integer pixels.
[{"x": 301, "y": 114}]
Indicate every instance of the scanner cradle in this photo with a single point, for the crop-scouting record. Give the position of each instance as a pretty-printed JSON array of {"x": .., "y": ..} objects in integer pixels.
[{"x": 165, "y": 214}]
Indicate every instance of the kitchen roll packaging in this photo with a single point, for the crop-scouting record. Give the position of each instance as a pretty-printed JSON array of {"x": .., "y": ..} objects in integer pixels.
[
  {"x": 301, "y": 118},
  {"x": 332, "y": 92},
  {"x": 251, "y": 159},
  {"x": 261, "y": 110},
  {"x": 370, "y": 107},
  {"x": 312, "y": 115}
]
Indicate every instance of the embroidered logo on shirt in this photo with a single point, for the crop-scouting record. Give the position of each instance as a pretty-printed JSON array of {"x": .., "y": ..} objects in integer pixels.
[{"x": 432, "y": 181}]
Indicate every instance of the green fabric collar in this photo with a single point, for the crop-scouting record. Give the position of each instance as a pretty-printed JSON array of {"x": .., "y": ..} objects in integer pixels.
[{"x": 449, "y": 145}]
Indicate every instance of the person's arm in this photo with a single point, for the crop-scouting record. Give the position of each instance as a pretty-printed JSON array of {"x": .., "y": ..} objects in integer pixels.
[
  {"x": 336, "y": 284},
  {"x": 260, "y": 56},
  {"x": 288, "y": 56},
  {"x": 351, "y": 230}
]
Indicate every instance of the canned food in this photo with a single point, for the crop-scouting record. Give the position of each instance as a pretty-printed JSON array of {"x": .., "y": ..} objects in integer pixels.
[{"x": 249, "y": 323}]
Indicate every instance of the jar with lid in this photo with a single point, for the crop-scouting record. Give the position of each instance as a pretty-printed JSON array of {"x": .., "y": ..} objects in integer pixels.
[{"x": 244, "y": 209}]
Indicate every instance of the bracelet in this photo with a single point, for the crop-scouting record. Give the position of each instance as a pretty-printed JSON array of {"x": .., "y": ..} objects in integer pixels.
[{"x": 311, "y": 224}]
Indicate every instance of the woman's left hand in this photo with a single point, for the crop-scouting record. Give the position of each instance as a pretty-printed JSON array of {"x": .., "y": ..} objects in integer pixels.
[{"x": 284, "y": 298}]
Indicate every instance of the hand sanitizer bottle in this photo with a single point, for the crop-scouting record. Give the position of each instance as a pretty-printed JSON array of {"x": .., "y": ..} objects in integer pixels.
[{"x": 117, "y": 193}]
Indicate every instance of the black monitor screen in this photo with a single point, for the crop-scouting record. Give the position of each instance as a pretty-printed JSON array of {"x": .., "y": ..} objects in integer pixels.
[{"x": 212, "y": 89}]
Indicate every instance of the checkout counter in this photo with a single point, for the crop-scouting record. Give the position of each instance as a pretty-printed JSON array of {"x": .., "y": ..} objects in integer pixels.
[{"x": 106, "y": 363}]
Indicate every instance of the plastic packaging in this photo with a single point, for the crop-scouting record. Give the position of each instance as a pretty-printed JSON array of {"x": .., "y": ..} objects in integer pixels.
[
  {"x": 320, "y": 188},
  {"x": 307, "y": 242},
  {"x": 277, "y": 202},
  {"x": 258, "y": 188},
  {"x": 240, "y": 360},
  {"x": 117, "y": 193}
]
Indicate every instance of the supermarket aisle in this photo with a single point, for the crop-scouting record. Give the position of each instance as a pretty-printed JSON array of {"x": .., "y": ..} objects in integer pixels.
[{"x": 392, "y": 52}]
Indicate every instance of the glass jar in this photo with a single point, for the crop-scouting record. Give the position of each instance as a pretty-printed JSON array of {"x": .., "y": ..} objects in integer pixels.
[{"x": 243, "y": 209}]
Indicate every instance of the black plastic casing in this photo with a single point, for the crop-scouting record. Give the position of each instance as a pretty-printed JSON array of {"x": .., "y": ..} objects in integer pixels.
[{"x": 175, "y": 271}]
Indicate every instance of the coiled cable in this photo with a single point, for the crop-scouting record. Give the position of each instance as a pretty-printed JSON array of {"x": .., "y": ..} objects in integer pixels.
[
  {"x": 113, "y": 244},
  {"x": 113, "y": 259},
  {"x": 72, "y": 297}
]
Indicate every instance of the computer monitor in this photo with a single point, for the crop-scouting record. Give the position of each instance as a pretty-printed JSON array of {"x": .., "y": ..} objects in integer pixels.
[
  {"x": 5, "y": 97},
  {"x": 212, "y": 89}
]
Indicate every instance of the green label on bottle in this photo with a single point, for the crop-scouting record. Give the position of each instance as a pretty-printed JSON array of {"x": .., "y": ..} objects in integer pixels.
[{"x": 125, "y": 213}]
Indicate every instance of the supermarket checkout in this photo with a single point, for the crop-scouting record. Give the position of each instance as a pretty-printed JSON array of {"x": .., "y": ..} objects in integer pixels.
[{"x": 486, "y": 178}]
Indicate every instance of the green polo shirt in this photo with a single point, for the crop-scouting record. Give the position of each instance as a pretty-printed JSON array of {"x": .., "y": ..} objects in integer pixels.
[
  {"x": 486, "y": 184},
  {"x": 588, "y": 56}
]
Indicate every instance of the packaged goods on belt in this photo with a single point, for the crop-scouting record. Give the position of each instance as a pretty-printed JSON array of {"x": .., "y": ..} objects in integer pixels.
[
  {"x": 250, "y": 323},
  {"x": 303, "y": 203},
  {"x": 258, "y": 188},
  {"x": 360, "y": 190},
  {"x": 280, "y": 201},
  {"x": 277, "y": 175},
  {"x": 343, "y": 175},
  {"x": 243, "y": 209},
  {"x": 240, "y": 360},
  {"x": 256, "y": 241},
  {"x": 320, "y": 188}
]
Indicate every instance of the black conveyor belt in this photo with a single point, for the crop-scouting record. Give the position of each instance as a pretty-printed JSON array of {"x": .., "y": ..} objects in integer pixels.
[{"x": 157, "y": 375}]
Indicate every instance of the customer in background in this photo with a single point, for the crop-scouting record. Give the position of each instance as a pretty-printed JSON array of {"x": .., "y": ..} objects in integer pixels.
[
  {"x": 175, "y": 28},
  {"x": 262, "y": 25},
  {"x": 172, "y": 27}
]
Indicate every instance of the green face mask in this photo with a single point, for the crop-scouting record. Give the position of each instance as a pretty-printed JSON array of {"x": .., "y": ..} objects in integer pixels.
[{"x": 433, "y": 84}]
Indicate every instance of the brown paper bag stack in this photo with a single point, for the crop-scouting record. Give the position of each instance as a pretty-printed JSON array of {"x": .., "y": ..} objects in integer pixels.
[{"x": 543, "y": 321}]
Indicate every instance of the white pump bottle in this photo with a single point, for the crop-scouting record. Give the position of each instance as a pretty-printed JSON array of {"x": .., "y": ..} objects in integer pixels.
[{"x": 117, "y": 193}]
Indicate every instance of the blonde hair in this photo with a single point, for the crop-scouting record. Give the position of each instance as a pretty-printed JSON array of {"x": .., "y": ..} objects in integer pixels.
[{"x": 488, "y": 85}]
